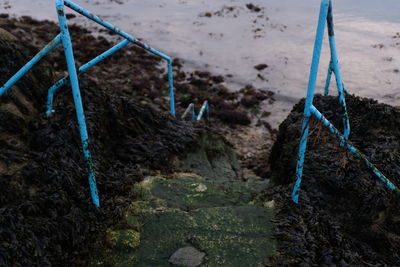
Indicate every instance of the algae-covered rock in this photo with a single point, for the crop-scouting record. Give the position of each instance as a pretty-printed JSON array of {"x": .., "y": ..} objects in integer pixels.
[
  {"x": 216, "y": 217},
  {"x": 212, "y": 157},
  {"x": 46, "y": 214},
  {"x": 234, "y": 235},
  {"x": 125, "y": 239}
]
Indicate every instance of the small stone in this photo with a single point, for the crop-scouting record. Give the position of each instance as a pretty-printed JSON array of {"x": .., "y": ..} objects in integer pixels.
[
  {"x": 187, "y": 256},
  {"x": 201, "y": 188},
  {"x": 7, "y": 36},
  {"x": 269, "y": 204},
  {"x": 260, "y": 67}
]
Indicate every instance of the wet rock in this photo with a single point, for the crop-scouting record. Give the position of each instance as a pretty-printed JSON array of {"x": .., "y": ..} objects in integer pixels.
[
  {"x": 220, "y": 220},
  {"x": 218, "y": 79},
  {"x": 5, "y": 35},
  {"x": 123, "y": 239},
  {"x": 70, "y": 16},
  {"x": 206, "y": 14},
  {"x": 233, "y": 117},
  {"x": 249, "y": 101},
  {"x": 260, "y": 67},
  {"x": 212, "y": 157},
  {"x": 253, "y": 7},
  {"x": 188, "y": 257}
]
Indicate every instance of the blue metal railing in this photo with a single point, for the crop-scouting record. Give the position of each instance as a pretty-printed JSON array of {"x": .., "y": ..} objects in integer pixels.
[
  {"x": 64, "y": 38},
  {"x": 326, "y": 16},
  {"x": 190, "y": 109}
]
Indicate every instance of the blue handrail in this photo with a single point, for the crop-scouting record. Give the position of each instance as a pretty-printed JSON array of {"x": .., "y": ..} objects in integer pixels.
[
  {"x": 190, "y": 109},
  {"x": 326, "y": 16},
  {"x": 64, "y": 38}
]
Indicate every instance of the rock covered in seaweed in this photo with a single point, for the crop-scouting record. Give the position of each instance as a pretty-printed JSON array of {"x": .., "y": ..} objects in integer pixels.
[
  {"x": 346, "y": 215},
  {"x": 46, "y": 216}
]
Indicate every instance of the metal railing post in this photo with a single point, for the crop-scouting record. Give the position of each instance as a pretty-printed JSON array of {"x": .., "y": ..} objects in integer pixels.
[
  {"x": 336, "y": 70},
  {"x": 309, "y": 109},
  {"x": 73, "y": 76},
  {"x": 310, "y": 97}
]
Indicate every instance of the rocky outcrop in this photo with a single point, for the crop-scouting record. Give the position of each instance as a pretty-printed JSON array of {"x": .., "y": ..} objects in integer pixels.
[
  {"x": 46, "y": 216},
  {"x": 346, "y": 215}
]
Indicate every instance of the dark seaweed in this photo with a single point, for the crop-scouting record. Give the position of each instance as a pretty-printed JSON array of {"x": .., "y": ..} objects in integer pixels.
[
  {"x": 46, "y": 215},
  {"x": 346, "y": 215}
]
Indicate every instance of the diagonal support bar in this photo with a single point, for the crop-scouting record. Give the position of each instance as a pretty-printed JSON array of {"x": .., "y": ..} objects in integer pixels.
[
  {"x": 328, "y": 81},
  {"x": 205, "y": 108},
  {"x": 353, "y": 149},
  {"x": 132, "y": 39},
  {"x": 65, "y": 80},
  {"x": 73, "y": 76},
  {"x": 190, "y": 109},
  {"x": 48, "y": 48},
  {"x": 310, "y": 97},
  {"x": 336, "y": 70}
]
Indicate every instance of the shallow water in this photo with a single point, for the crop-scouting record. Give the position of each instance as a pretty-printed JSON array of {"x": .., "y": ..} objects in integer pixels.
[{"x": 280, "y": 35}]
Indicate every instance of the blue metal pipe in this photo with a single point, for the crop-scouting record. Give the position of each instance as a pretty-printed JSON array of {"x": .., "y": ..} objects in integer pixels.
[
  {"x": 338, "y": 75},
  {"x": 66, "y": 40},
  {"x": 310, "y": 97},
  {"x": 113, "y": 28},
  {"x": 50, "y": 46},
  {"x": 328, "y": 80},
  {"x": 204, "y": 108},
  {"x": 171, "y": 89},
  {"x": 353, "y": 150},
  {"x": 65, "y": 80},
  {"x": 132, "y": 39},
  {"x": 190, "y": 109}
]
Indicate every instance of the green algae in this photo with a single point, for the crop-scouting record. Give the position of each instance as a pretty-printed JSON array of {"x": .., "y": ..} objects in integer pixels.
[{"x": 206, "y": 206}]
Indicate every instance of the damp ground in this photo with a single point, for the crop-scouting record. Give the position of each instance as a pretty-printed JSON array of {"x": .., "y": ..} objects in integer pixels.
[
  {"x": 228, "y": 38},
  {"x": 205, "y": 205}
]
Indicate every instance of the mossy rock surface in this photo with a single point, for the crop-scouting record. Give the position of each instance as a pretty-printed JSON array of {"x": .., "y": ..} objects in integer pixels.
[
  {"x": 204, "y": 206},
  {"x": 216, "y": 217}
]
